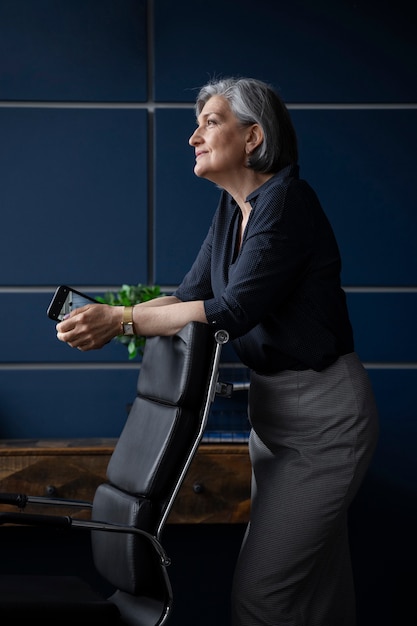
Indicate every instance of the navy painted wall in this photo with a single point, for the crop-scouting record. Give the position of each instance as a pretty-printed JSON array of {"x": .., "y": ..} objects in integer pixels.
[{"x": 97, "y": 189}]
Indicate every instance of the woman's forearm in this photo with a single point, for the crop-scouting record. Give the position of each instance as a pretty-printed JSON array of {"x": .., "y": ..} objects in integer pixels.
[
  {"x": 160, "y": 301},
  {"x": 92, "y": 326},
  {"x": 167, "y": 315}
]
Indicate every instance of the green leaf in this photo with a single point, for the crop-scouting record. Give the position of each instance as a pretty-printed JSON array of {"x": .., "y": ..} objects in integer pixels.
[{"x": 129, "y": 295}]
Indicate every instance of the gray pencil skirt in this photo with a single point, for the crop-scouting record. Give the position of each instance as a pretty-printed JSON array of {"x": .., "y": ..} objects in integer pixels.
[{"x": 312, "y": 439}]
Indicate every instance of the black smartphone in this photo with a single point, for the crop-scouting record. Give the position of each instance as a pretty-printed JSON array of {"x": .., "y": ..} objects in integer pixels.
[{"x": 65, "y": 300}]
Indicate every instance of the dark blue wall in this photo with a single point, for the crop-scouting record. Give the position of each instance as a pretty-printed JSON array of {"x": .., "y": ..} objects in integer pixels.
[{"x": 97, "y": 189}]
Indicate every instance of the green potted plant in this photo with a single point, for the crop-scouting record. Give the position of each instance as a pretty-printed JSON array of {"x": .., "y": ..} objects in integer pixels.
[{"x": 129, "y": 295}]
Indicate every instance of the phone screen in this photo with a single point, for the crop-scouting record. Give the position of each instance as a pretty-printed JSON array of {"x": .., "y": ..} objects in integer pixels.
[
  {"x": 73, "y": 301},
  {"x": 66, "y": 300}
]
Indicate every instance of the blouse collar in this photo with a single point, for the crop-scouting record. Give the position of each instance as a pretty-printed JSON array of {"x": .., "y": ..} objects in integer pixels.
[{"x": 286, "y": 172}]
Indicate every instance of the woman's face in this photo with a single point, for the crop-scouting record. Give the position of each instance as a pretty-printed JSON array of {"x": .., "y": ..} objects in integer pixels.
[{"x": 219, "y": 142}]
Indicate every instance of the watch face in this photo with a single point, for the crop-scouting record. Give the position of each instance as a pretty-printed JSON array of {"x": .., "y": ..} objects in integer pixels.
[{"x": 128, "y": 329}]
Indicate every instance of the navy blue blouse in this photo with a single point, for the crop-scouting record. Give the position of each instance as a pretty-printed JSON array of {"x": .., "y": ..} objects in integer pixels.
[{"x": 280, "y": 299}]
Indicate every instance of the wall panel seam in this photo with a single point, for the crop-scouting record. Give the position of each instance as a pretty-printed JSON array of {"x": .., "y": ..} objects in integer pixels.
[
  {"x": 152, "y": 105},
  {"x": 371, "y": 365}
]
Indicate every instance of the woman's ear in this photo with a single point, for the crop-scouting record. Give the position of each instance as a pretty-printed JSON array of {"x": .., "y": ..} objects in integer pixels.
[{"x": 254, "y": 138}]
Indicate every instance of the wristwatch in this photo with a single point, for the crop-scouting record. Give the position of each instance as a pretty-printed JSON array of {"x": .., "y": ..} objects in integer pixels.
[{"x": 127, "y": 323}]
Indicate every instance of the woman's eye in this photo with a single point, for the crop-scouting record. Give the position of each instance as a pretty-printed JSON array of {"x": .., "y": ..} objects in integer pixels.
[{"x": 211, "y": 122}]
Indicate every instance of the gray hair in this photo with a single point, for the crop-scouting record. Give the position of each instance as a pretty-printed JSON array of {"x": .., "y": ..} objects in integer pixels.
[{"x": 254, "y": 102}]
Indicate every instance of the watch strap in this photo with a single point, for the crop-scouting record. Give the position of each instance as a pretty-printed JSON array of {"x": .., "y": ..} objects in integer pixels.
[
  {"x": 127, "y": 322},
  {"x": 128, "y": 315}
]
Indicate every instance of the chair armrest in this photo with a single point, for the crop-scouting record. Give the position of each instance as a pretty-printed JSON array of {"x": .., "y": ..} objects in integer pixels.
[
  {"x": 16, "y": 499},
  {"x": 30, "y": 519},
  {"x": 65, "y": 521},
  {"x": 21, "y": 500},
  {"x": 120, "y": 528}
]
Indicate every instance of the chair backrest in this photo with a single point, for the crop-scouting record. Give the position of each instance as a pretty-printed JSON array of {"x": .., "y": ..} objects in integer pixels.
[{"x": 175, "y": 388}]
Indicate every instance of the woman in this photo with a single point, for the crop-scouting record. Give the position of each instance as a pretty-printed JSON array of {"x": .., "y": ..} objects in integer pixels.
[{"x": 269, "y": 273}]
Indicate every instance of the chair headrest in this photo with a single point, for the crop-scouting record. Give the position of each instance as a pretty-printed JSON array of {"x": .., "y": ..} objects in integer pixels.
[{"x": 174, "y": 369}]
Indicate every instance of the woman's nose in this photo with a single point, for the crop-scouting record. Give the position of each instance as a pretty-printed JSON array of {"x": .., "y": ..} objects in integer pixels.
[{"x": 193, "y": 140}]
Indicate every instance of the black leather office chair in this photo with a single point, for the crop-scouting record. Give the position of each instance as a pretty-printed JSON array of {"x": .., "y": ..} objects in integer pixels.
[{"x": 177, "y": 383}]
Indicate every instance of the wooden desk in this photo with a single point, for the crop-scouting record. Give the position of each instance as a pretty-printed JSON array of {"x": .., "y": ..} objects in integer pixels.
[{"x": 216, "y": 488}]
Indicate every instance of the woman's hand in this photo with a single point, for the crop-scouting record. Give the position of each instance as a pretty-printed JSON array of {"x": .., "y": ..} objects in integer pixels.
[{"x": 90, "y": 327}]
